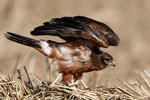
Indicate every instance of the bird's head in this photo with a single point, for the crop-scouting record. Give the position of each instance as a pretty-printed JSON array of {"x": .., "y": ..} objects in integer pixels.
[{"x": 107, "y": 59}]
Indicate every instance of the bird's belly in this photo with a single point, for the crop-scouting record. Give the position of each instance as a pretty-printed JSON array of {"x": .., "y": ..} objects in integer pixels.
[{"x": 73, "y": 59}]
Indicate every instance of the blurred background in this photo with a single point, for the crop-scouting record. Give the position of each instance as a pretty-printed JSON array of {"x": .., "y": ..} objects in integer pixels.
[{"x": 130, "y": 19}]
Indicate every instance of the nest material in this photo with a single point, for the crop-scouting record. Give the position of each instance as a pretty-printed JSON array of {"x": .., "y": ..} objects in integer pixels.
[{"x": 19, "y": 89}]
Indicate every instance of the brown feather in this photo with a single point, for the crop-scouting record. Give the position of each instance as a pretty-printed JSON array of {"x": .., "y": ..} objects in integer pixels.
[{"x": 79, "y": 27}]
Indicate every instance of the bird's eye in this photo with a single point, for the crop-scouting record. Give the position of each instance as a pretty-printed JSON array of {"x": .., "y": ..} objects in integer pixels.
[
  {"x": 106, "y": 61},
  {"x": 109, "y": 62}
]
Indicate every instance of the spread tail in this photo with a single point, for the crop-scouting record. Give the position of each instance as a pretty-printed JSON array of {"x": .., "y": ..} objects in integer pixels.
[{"x": 22, "y": 40}]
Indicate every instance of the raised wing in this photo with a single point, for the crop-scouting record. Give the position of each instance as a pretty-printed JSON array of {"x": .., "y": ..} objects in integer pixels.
[
  {"x": 100, "y": 28},
  {"x": 71, "y": 28}
]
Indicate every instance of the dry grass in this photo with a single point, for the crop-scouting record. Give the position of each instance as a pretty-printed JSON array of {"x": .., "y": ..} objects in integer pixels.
[{"x": 33, "y": 88}]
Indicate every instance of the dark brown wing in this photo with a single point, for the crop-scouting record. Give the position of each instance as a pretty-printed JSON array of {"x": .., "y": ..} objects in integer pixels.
[
  {"x": 70, "y": 28},
  {"x": 100, "y": 28}
]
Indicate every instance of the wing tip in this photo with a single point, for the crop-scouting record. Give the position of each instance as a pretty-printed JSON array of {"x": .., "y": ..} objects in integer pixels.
[{"x": 8, "y": 34}]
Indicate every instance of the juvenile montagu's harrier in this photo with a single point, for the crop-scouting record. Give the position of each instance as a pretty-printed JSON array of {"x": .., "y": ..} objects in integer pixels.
[{"x": 80, "y": 52}]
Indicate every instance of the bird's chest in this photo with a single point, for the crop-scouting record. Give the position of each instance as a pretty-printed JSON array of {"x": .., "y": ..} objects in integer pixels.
[{"x": 73, "y": 57}]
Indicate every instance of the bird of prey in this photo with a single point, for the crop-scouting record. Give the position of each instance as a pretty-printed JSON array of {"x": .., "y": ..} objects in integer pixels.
[{"x": 80, "y": 53}]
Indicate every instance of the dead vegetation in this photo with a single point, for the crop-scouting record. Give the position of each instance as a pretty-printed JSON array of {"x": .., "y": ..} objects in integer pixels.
[{"x": 33, "y": 88}]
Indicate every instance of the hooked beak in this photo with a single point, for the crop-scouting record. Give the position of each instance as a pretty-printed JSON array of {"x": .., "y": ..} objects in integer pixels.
[{"x": 110, "y": 63}]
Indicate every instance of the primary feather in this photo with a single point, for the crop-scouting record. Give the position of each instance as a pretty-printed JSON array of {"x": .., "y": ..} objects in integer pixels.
[{"x": 72, "y": 28}]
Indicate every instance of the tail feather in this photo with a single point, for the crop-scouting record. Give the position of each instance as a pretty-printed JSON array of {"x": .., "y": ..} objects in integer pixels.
[{"x": 22, "y": 40}]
